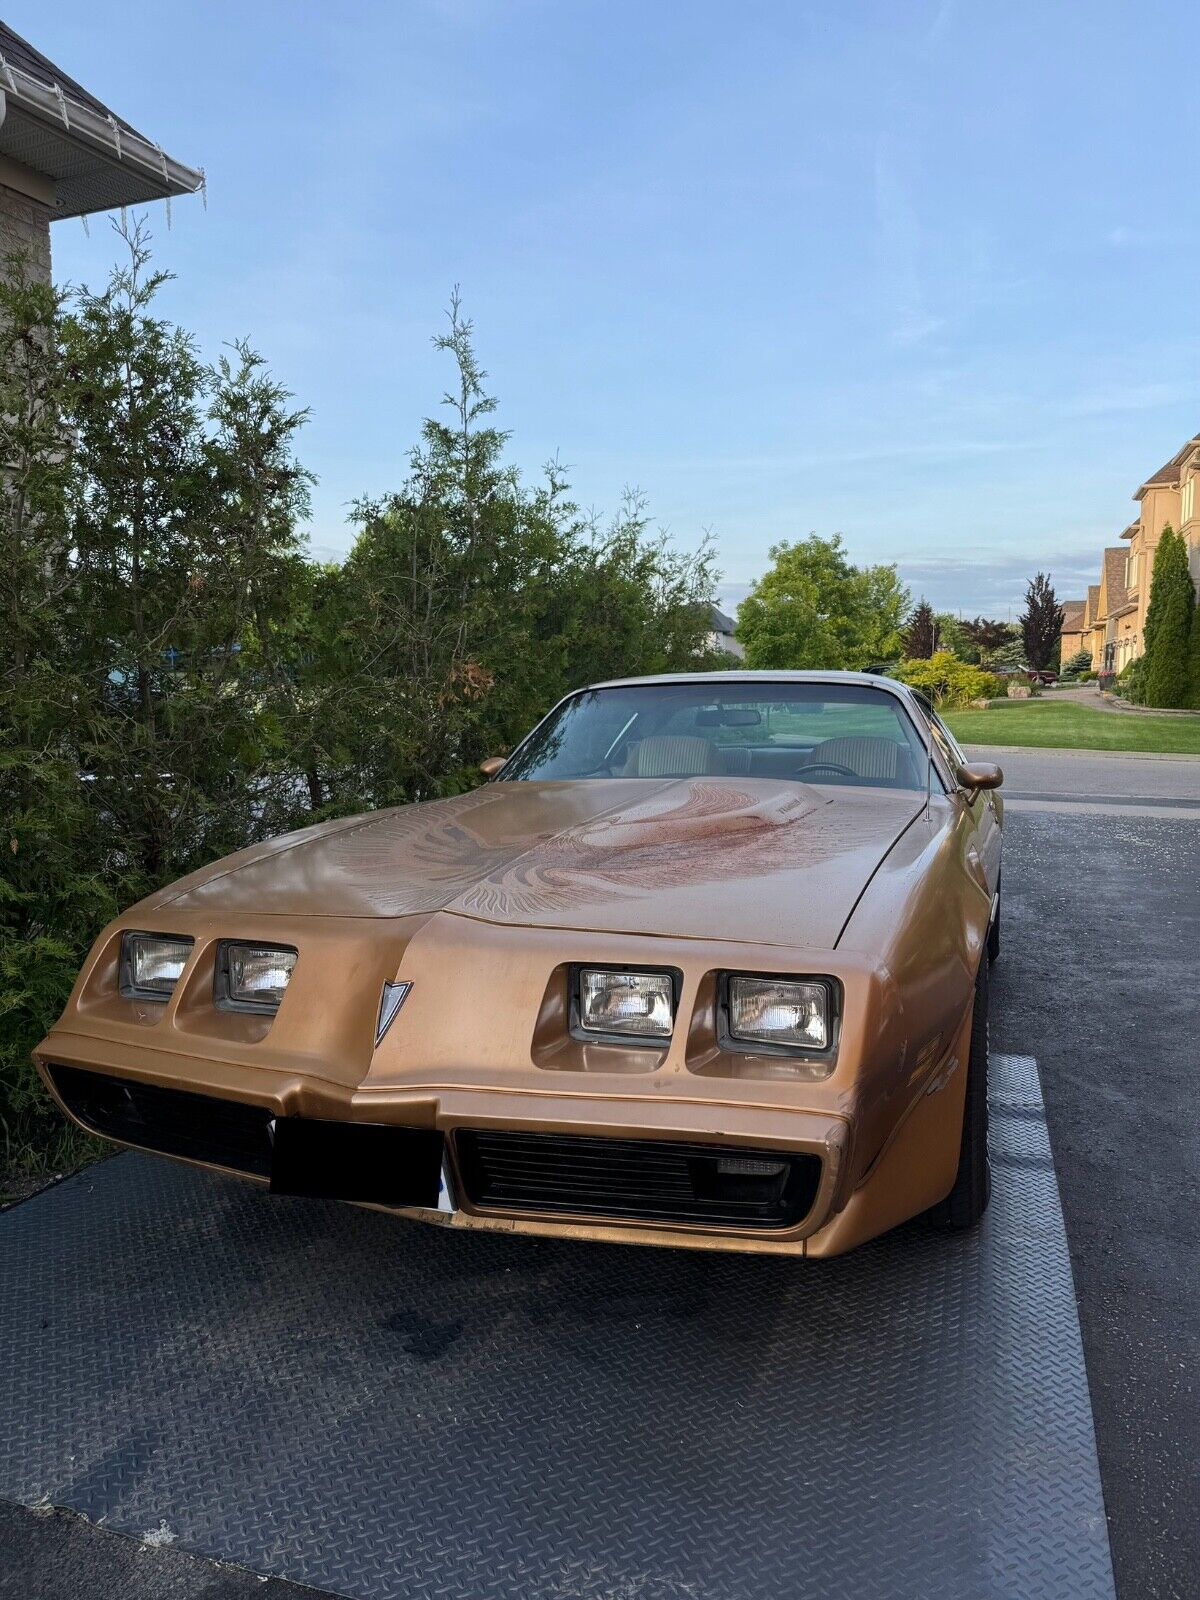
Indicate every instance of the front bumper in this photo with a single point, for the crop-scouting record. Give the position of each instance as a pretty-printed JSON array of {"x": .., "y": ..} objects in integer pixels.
[
  {"x": 881, "y": 1129},
  {"x": 590, "y": 1168}
]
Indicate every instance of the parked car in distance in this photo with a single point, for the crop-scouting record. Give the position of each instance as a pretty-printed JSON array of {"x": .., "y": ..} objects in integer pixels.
[{"x": 705, "y": 963}]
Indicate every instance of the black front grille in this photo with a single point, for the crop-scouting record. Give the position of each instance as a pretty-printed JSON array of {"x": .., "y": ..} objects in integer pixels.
[
  {"x": 172, "y": 1121},
  {"x": 635, "y": 1179}
]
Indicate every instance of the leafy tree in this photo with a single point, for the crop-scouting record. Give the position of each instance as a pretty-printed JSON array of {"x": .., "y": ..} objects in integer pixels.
[
  {"x": 921, "y": 636},
  {"x": 1041, "y": 622},
  {"x": 951, "y": 636},
  {"x": 986, "y": 637},
  {"x": 815, "y": 609},
  {"x": 1168, "y": 624}
]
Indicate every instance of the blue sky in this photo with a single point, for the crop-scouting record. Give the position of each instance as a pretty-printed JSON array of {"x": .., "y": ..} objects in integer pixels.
[{"x": 921, "y": 272}]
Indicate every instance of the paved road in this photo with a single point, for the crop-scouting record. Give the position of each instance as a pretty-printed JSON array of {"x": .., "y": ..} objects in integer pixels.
[
  {"x": 1094, "y": 783},
  {"x": 1099, "y": 979}
]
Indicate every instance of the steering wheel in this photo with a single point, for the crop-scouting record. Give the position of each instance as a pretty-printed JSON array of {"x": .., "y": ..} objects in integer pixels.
[{"x": 827, "y": 766}]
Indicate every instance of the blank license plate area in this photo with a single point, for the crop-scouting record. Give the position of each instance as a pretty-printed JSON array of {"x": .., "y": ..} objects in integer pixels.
[{"x": 368, "y": 1162}]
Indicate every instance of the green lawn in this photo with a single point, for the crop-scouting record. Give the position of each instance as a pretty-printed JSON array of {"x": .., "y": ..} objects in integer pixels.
[{"x": 1044, "y": 724}]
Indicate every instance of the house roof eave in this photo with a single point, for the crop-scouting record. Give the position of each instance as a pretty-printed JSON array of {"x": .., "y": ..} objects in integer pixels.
[{"x": 95, "y": 162}]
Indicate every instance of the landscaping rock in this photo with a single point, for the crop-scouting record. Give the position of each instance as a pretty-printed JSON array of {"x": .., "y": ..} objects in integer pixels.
[{"x": 1019, "y": 691}]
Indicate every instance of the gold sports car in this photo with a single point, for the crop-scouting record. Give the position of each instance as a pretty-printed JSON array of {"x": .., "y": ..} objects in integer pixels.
[{"x": 705, "y": 963}]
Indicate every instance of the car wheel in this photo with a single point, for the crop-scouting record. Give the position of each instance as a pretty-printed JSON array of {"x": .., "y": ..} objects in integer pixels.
[
  {"x": 993, "y": 938},
  {"x": 967, "y": 1201}
]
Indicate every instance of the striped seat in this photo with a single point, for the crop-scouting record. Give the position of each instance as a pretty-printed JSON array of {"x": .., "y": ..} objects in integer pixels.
[
  {"x": 866, "y": 756},
  {"x": 676, "y": 755}
]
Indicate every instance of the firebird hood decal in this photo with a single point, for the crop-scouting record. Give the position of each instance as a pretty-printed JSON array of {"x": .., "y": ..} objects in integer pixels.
[{"x": 736, "y": 858}]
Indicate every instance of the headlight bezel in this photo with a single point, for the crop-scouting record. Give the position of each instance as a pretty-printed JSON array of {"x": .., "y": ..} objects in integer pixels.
[
  {"x": 735, "y": 1043},
  {"x": 644, "y": 1041},
  {"x": 127, "y": 984},
  {"x": 224, "y": 997}
]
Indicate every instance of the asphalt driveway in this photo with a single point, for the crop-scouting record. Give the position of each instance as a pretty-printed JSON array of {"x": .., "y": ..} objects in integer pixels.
[{"x": 1099, "y": 979}]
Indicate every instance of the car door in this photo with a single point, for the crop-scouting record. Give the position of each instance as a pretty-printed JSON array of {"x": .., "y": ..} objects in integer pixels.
[
  {"x": 985, "y": 814},
  {"x": 987, "y": 810}
]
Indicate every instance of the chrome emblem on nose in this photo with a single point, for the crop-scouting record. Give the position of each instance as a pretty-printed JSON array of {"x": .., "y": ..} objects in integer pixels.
[{"x": 393, "y": 997}]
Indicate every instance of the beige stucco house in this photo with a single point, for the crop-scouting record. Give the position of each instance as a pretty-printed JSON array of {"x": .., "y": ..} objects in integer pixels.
[
  {"x": 1091, "y": 607},
  {"x": 1168, "y": 499},
  {"x": 1114, "y": 621},
  {"x": 1074, "y": 636},
  {"x": 63, "y": 153},
  {"x": 1111, "y": 622}
]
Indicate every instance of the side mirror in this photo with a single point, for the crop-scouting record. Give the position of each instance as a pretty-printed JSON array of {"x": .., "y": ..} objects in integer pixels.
[
  {"x": 977, "y": 776},
  {"x": 492, "y": 765}
]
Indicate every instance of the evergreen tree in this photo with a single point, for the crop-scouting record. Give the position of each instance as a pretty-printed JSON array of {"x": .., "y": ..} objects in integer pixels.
[
  {"x": 921, "y": 636},
  {"x": 184, "y": 526},
  {"x": 1193, "y": 699},
  {"x": 61, "y": 865},
  {"x": 1041, "y": 623},
  {"x": 1169, "y": 624},
  {"x": 178, "y": 679},
  {"x": 1158, "y": 593}
]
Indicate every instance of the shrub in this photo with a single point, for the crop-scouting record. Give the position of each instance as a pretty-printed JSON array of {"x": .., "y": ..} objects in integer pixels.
[
  {"x": 1131, "y": 680},
  {"x": 1078, "y": 664},
  {"x": 949, "y": 681},
  {"x": 1168, "y": 624}
]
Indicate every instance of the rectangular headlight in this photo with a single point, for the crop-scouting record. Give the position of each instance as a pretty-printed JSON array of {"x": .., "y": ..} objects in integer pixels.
[
  {"x": 635, "y": 1005},
  {"x": 253, "y": 977},
  {"x": 151, "y": 964},
  {"x": 780, "y": 1011}
]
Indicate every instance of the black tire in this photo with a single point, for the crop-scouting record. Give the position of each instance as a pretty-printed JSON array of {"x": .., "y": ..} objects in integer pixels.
[
  {"x": 993, "y": 938},
  {"x": 967, "y": 1201}
]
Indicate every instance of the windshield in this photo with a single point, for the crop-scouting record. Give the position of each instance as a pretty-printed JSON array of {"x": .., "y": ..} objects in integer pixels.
[{"x": 826, "y": 733}]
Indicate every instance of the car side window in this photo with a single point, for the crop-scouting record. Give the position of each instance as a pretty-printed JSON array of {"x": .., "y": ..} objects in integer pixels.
[
  {"x": 950, "y": 743},
  {"x": 952, "y": 752}
]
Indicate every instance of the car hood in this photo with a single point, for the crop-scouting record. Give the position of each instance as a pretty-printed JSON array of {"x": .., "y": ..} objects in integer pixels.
[{"x": 758, "y": 860}]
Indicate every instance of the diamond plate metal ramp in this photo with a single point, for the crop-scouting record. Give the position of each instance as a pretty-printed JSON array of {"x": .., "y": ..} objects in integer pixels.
[{"x": 393, "y": 1411}]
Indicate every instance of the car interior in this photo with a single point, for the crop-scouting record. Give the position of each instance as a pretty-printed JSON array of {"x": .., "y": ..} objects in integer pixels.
[
  {"x": 868, "y": 759},
  {"x": 837, "y": 735}
]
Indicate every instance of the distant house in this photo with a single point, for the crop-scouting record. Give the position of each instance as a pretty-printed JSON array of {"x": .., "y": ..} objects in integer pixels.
[
  {"x": 1113, "y": 624},
  {"x": 1116, "y": 617},
  {"x": 1090, "y": 613},
  {"x": 1167, "y": 499},
  {"x": 63, "y": 153},
  {"x": 1074, "y": 638},
  {"x": 720, "y": 636}
]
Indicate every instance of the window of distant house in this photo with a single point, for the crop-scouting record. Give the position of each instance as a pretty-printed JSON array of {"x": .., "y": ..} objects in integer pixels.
[
  {"x": 1189, "y": 489},
  {"x": 1131, "y": 562}
]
